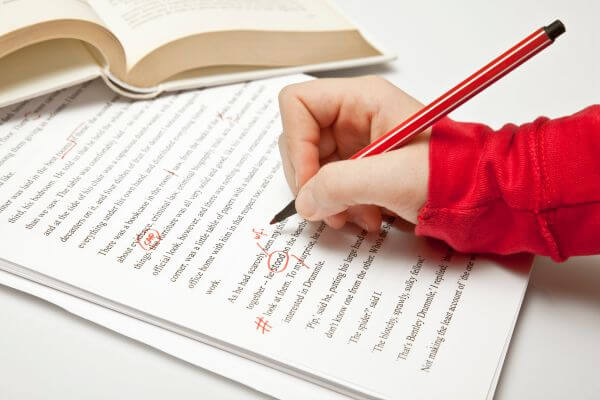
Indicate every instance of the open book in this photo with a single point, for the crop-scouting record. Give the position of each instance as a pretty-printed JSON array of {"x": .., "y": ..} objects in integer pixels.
[
  {"x": 144, "y": 47},
  {"x": 159, "y": 210}
]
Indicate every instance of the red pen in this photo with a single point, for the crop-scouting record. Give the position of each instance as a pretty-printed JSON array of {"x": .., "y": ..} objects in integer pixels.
[{"x": 456, "y": 96}]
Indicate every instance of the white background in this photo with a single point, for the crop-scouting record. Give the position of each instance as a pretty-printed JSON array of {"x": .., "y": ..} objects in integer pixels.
[{"x": 47, "y": 353}]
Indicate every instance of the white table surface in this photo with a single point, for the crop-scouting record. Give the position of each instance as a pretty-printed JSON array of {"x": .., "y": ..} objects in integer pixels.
[{"x": 46, "y": 353}]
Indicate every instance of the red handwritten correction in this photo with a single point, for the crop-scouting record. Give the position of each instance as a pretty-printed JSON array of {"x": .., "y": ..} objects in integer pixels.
[
  {"x": 170, "y": 172},
  {"x": 258, "y": 234},
  {"x": 72, "y": 140},
  {"x": 149, "y": 239},
  {"x": 282, "y": 259},
  {"x": 263, "y": 324}
]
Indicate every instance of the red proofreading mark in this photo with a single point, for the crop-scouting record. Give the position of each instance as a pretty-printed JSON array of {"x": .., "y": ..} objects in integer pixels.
[
  {"x": 262, "y": 248},
  {"x": 301, "y": 262},
  {"x": 223, "y": 117},
  {"x": 149, "y": 239},
  {"x": 262, "y": 324},
  {"x": 71, "y": 147},
  {"x": 282, "y": 256},
  {"x": 170, "y": 172},
  {"x": 73, "y": 142},
  {"x": 258, "y": 234},
  {"x": 285, "y": 260}
]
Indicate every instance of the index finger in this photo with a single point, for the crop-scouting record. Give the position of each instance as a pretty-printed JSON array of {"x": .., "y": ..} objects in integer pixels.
[{"x": 306, "y": 108}]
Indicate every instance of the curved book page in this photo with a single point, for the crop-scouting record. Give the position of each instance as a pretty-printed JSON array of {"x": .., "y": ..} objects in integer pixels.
[
  {"x": 208, "y": 34},
  {"x": 18, "y": 14},
  {"x": 43, "y": 68}
]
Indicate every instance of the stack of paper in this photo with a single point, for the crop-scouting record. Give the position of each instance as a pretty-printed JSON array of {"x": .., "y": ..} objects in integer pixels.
[{"x": 151, "y": 218}]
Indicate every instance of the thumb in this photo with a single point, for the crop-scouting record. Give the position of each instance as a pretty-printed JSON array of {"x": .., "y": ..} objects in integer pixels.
[{"x": 391, "y": 180}]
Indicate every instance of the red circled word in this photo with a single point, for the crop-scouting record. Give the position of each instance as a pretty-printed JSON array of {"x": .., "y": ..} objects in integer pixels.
[
  {"x": 149, "y": 239},
  {"x": 285, "y": 261}
]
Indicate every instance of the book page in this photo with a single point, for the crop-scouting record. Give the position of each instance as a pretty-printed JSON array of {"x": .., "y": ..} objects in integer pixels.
[
  {"x": 45, "y": 67},
  {"x": 160, "y": 210},
  {"x": 17, "y": 14},
  {"x": 140, "y": 24}
]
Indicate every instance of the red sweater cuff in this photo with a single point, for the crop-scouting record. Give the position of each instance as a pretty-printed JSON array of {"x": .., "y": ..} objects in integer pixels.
[
  {"x": 474, "y": 203},
  {"x": 532, "y": 188}
]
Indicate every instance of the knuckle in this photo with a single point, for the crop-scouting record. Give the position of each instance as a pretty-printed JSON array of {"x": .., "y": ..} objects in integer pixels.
[{"x": 287, "y": 92}]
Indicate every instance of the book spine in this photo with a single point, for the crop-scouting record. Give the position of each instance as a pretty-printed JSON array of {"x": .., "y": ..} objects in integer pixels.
[{"x": 127, "y": 90}]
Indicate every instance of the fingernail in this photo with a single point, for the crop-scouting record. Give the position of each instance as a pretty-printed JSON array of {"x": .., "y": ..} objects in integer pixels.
[{"x": 305, "y": 203}]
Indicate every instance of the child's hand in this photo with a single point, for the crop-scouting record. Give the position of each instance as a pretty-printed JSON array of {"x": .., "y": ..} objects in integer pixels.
[{"x": 326, "y": 121}]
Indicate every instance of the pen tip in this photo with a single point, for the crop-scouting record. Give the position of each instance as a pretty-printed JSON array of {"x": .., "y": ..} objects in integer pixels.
[{"x": 288, "y": 211}]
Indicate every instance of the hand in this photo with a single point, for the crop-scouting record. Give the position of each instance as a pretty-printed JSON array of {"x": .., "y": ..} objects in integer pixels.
[{"x": 326, "y": 121}]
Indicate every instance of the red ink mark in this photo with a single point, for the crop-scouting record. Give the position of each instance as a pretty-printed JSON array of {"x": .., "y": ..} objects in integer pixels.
[
  {"x": 283, "y": 259},
  {"x": 262, "y": 248},
  {"x": 71, "y": 147},
  {"x": 270, "y": 256},
  {"x": 262, "y": 324},
  {"x": 72, "y": 140},
  {"x": 257, "y": 235},
  {"x": 231, "y": 120},
  {"x": 301, "y": 262},
  {"x": 149, "y": 239},
  {"x": 170, "y": 172}
]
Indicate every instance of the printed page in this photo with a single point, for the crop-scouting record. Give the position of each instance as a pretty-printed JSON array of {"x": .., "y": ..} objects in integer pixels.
[
  {"x": 256, "y": 376},
  {"x": 17, "y": 14},
  {"x": 140, "y": 24},
  {"x": 161, "y": 209}
]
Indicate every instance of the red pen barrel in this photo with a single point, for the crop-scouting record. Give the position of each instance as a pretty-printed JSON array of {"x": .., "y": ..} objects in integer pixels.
[
  {"x": 456, "y": 96},
  {"x": 465, "y": 90}
]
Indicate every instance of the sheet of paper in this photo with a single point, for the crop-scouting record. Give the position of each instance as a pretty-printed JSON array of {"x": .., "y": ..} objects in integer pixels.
[
  {"x": 256, "y": 376},
  {"x": 160, "y": 209}
]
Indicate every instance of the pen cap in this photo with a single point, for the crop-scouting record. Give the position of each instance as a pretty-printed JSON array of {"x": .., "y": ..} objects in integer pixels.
[{"x": 555, "y": 29}]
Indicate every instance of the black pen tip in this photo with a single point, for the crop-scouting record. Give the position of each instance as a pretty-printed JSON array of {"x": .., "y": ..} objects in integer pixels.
[{"x": 288, "y": 211}]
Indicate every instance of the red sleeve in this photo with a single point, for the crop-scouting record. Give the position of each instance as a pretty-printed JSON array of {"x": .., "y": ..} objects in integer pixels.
[{"x": 532, "y": 188}]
